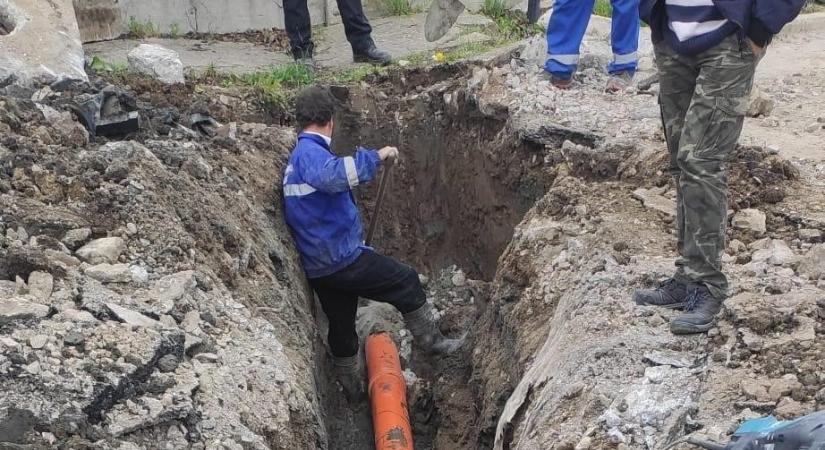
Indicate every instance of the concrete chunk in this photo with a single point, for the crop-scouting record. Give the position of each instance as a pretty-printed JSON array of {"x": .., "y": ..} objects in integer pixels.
[
  {"x": 158, "y": 62},
  {"x": 42, "y": 44},
  {"x": 105, "y": 250},
  {"x": 14, "y": 309},
  {"x": 132, "y": 317}
]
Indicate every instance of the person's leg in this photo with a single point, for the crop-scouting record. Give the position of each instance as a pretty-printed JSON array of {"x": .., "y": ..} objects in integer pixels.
[
  {"x": 298, "y": 28},
  {"x": 677, "y": 82},
  {"x": 342, "y": 337},
  {"x": 624, "y": 36},
  {"x": 380, "y": 278},
  {"x": 565, "y": 32},
  {"x": 359, "y": 33},
  {"x": 713, "y": 124}
]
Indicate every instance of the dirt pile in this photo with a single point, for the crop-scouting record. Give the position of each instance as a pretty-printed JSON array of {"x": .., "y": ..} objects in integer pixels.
[{"x": 150, "y": 292}]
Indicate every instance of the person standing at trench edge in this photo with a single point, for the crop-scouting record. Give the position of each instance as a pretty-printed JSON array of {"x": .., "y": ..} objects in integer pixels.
[
  {"x": 706, "y": 53},
  {"x": 356, "y": 27},
  {"x": 325, "y": 223},
  {"x": 565, "y": 31}
]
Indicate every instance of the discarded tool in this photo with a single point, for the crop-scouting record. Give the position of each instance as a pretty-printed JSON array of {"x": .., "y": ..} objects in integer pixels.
[
  {"x": 767, "y": 433},
  {"x": 388, "y": 395},
  {"x": 382, "y": 190}
]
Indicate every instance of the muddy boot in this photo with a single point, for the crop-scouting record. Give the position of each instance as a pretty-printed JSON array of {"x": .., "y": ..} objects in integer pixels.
[
  {"x": 348, "y": 372},
  {"x": 426, "y": 334},
  {"x": 700, "y": 312},
  {"x": 670, "y": 294}
]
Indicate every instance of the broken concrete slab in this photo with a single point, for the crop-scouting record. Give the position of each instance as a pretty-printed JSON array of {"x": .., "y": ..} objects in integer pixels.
[
  {"x": 42, "y": 45},
  {"x": 655, "y": 201},
  {"x": 14, "y": 309},
  {"x": 99, "y": 20},
  {"x": 104, "y": 250},
  {"x": 110, "y": 273},
  {"x": 133, "y": 317},
  {"x": 158, "y": 62}
]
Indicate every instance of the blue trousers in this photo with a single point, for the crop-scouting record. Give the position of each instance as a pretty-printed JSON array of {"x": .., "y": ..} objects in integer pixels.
[{"x": 567, "y": 26}]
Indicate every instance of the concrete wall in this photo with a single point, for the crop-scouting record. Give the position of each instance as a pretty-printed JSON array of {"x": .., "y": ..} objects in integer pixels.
[{"x": 204, "y": 16}]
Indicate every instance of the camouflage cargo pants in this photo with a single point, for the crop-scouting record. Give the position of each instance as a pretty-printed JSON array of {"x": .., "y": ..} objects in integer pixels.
[{"x": 703, "y": 99}]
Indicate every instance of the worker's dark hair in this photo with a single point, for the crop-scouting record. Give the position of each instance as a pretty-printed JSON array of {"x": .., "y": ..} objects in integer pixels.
[{"x": 314, "y": 105}]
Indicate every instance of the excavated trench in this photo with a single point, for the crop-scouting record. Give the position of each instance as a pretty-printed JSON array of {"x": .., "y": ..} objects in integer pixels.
[{"x": 464, "y": 182}]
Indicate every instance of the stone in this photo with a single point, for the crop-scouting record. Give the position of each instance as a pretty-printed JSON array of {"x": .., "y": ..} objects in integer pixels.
[
  {"x": 74, "y": 315},
  {"x": 810, "y": 235},
  {"x": 41, "y": 285},
  {"x": 110, "y": 273},
  {"x": 776, "y": 253},
  {"x": 653, "y": 200},
  {"x": 209, "y": 358},
  {"x": 750, "y": 219},
  {"x": 157, "y": 62},
  {"x": 459, "y": 279},
  {"x": 191, "y": 322},
  {"x": 76, "y": 237},
  {"x": 754, "y": 390},
  {"x": 584, "y": 443},
  {"x": 168, "y": 363},
  {"x": 33, "y": 368},
  {"x": 14, "y": 309},
  {"x": 812, "y": 264},
  {"x": 104, "y": 250},
  {"x": 74, "y": 339},
  {"x": 132, "y": 317},
  {"x": 139, "y": 274},
  {"x": 789, "y": 408},
  {"x": 38, "y": 341},
  {"x": 172, "y": 288},
  {"x": 736, "y": 247},
  {"x": 759, "y": 104},
  {"x": 783, "y": 387},
  {"x": 43, "y": 44}
]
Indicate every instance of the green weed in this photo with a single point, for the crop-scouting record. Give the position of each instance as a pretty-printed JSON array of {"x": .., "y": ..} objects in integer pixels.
[
  {"x": 174, "y": 31},
  {"x": 142, "y": 30},
  {"x": 397, "y": 7},
  {"x": 356, "y": 74},
  {"x": 603, "y": 8}
]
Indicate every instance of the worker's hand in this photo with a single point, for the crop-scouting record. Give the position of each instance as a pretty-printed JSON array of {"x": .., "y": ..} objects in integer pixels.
[
  {"x": 757, "y": 50},
  {"x": 388, "y": 154}
]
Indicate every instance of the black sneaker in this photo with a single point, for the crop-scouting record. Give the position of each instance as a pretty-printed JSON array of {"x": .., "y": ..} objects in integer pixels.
[
  {"x": 670, "y": 294},
  {"x": 700, "y": 312},
  {"x": 372, "y": 55}
]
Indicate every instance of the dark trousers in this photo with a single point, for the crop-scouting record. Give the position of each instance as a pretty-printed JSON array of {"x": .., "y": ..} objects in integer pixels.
[
  {"x": 299, "y": 28},
  {"x": 373, "y": 277}
]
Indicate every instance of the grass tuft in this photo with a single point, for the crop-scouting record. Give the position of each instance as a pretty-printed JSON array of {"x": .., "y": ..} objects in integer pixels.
[
  {"x": 397, "y": 7},
  {"x": 142, "y": 30},
  {"x": 603, "y": 8}
]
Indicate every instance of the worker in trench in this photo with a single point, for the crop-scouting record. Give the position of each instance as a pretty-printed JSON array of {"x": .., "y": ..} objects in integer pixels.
[
  {"x": 325, "y": 223},
  {"x": 706, "y": 52}
]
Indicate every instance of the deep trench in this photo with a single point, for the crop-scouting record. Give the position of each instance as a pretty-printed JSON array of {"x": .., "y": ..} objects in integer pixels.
[{"x": 464, "y": 182}]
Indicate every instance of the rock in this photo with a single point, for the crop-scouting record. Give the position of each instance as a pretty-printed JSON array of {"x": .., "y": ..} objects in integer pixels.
[
  {"x": 210, "y": 358},
  {"x": 459, "y": 279},
  {"x": 14, "y": 309},
  {"x": 652, "y": 200},
  {"x": 776, "y": 253},
  {"x": 197, "y": 167},
  {"x": 139, "y": 274},
  {"x": 170, "y": 289},
  {"x": 132, "y": 317},
  {"x": 157, "y": 62},
  {"x": 74, "y": 315},
  {"x": 43, "y": 44},
  {"x": 74, "y": 339},
  {"x": 191, "y": 322},
  {"x": 480, "y": 77},
  {"x": 76, "y": 237},
  {"x": 168, "y": 363},
  {"x": 736, "y": 247},
  {"x": 584, "y": 443},
  {"x": 33, "y": 368},
  {"x": 789, "y": 408},
  {"x": 812, "y": 264},
  {"x": 810, "y": 235},
  {"x": 105, "y": 250},
  {"x": 750, "y": 219},
  {"x": 759, "y": 104},
  {"x": 615, "y": 436},
  {"x": 666, "y": 358},
  {"x": 110, "y": 273},
  {"x": 783, "y": 387},
  {"x": 41, "y": 285},
  {"x": 38, "y": 341}
]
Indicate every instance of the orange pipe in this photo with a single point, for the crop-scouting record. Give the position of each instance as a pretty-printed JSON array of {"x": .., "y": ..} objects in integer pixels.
[{"x": 388, "y": 395}]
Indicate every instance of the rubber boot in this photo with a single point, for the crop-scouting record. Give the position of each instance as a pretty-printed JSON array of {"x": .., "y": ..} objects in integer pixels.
[
  {"x": 426, "y": 333},
  {"x": 347, "y": 371}
]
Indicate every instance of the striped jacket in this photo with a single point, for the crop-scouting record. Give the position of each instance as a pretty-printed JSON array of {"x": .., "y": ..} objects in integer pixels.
[
  {"x": 758, "y": 20},
  {"x": 319, "y": 206}
]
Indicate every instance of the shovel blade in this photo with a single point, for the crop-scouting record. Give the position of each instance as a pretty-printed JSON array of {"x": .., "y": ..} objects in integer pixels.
[{"x": 442, "y": 16}]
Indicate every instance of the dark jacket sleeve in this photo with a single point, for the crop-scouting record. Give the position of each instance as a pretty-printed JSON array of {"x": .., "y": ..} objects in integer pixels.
[{"x": 769, "y": 16}]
